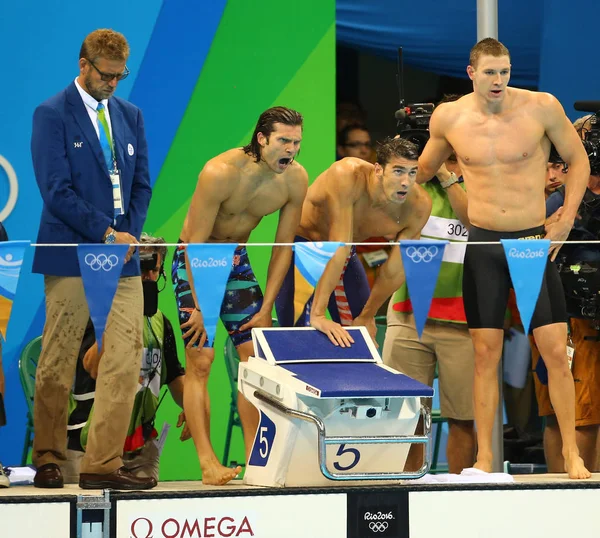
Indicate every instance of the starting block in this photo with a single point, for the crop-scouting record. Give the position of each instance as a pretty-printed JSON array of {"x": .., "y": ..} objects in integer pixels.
[{"x": 329, "y": 415}]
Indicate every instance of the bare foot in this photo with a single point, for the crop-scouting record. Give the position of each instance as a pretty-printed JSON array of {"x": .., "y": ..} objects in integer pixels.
[
  {"x": 575, "y": 467},
  {"x": 217, "y": 475},
  {"x": 484, "y": 465}
]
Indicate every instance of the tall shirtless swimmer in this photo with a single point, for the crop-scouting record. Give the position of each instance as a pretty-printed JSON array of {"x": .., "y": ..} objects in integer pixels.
[
  {"x": 502, "y": 139},
  {"x": 235, "y": 190},
  {"x": 350, "y": 202}
]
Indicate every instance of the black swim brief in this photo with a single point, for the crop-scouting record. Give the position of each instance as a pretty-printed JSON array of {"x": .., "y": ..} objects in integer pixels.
[{"x": 487, "y": 282}]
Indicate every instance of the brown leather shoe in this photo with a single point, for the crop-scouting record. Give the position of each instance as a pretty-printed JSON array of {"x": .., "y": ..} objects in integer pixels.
[
  {"x": 48, "y": 476},
  {"x": 120, "y": 479}
]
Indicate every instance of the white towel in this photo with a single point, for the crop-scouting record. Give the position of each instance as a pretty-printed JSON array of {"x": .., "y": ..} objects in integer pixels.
[{"x": 468, "y": 476}]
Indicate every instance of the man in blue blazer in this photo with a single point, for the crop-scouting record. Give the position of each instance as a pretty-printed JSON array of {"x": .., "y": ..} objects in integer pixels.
[{"x": 91, "y": 164}]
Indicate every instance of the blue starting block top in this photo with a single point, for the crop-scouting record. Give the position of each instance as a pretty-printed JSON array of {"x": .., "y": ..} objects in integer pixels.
[
  {"x": 356, "y": 380},
  {"x": 336, "y": 372},
  {"x": 309, "y": 345}
]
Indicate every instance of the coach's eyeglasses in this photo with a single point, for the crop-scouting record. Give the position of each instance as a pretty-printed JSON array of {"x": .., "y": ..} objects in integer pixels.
[{"x": 107, "y": 77}]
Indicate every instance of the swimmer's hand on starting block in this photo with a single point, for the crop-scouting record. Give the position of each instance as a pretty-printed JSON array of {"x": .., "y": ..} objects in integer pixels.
[{"x": 334, "y": 331}]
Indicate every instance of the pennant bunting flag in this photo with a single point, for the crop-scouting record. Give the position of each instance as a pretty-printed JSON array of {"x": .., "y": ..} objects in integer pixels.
[
  {"x": 210, "y": 265},
  {"x": 101, "y": 267},
  {"x": 526, "y": 263},
  {"x": 11, "y": 261},
  {"x": 311, "y": 258},
  {"x": 422, "y": 260}
]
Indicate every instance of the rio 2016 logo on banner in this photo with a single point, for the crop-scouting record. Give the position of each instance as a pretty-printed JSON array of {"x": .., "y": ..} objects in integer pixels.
[{"x": 210, "y": 262}]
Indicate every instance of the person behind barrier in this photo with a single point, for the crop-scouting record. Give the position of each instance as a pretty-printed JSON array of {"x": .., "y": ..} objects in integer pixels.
[
  {"x": 445, "y": 342},
  {"x": 90, "y": 159},
  {"x": 555, "y": 178},
  {"x": 235, "y": 190},
  {"x": 579, "y": 267},
  {"x": 501, "y": 137},
  {"x": 349, "y": 202},
  {"x": 355, "y": 141},
  {"x": 159, "y": 367}
]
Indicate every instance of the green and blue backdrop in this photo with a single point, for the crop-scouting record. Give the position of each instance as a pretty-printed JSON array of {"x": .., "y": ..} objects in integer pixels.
[{"x": 202, "y": 72}]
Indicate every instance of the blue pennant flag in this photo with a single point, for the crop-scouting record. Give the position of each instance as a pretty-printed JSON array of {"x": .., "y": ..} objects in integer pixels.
[
  {"x": 210, "y": 264},
  {"x": 312, "y": 257},
  {"x": 11, "y": 261},
  {"x": 527, "y": 263},
  {"x": 101, "y": 267},
  {"x": 422, "y": 260}
]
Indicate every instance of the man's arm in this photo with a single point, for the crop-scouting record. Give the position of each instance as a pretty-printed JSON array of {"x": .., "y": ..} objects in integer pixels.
[
  {"x": 457, "y": 196},
  {"x": 340, "y": 197},
  {"x": 562, "y": 134},
  {"x": 214, "y": 186},
  {"x": 437, "y": 150},
  {"x": 391, "y": 275},
  {"x": 53, "y": 176},
  {"x": 553, "y": 203},
  {"x": 458, "y": 200},
  {"x": 289, "y": 220},
  {"x": 141, "y": 191}
]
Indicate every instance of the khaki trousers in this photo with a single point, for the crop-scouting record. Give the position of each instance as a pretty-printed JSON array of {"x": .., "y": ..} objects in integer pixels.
[
  {"x": 447, "y": 344},
  {"x": 66, "y": 318}
]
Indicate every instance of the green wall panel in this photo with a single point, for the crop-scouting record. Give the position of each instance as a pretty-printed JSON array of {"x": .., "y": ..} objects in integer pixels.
[{"x": 264, "y": 54}]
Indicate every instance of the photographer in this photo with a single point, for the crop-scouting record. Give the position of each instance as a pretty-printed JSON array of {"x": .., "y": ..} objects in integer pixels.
[
  {"x": 159, "y": 366},
  {"x": 445, "y": 342},
  {"x": 580, "y": 273}
]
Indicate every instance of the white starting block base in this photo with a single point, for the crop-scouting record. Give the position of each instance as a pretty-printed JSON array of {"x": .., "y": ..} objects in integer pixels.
[
  {"x": 534, "y": 505},
  {"x": 328, "y": 415}
]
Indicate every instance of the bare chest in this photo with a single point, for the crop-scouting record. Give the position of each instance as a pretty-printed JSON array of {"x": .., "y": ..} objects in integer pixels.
[
  {"x": 375, "y": 222},
  {"x": 506, "y": 141},
  {"x": 255, "y": 201}
]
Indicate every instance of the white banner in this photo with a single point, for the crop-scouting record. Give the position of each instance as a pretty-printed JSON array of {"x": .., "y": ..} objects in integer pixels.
[
  {"x": 269, "y": 516},
  {"x": 452, "y": 230},
  {"x": 497, "y": 514},
  {"x": 50, "y": 520}
]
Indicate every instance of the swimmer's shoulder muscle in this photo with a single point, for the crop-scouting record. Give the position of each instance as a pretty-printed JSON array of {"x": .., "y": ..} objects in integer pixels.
[
  {"x": 347, "y": 178},
  {"x": 297, "y": 181}
]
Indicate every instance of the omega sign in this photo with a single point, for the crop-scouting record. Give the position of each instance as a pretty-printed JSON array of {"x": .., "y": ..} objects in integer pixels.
[
  {"x": 208, "y": 527},
  {"x": 13, "y": 188}
]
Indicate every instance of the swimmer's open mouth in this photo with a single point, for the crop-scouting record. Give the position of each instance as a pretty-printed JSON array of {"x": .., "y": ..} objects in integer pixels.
[
  {"x": 496, "y": 92},
  {"x": 285, "y": 161}
]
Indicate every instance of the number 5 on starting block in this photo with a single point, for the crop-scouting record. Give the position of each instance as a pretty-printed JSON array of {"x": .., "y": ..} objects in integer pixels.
[{"x": 263, "y": 441}]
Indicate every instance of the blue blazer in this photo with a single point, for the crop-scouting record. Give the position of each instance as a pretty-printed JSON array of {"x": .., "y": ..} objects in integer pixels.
[{"x": 74, "y": 183}]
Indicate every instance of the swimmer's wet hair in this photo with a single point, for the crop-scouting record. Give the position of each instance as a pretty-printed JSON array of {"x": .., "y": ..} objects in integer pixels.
[
  {"x": 266, "y": 125},
  {"x": 392, "y": 148},
  {"x": 487, "y": 47}
]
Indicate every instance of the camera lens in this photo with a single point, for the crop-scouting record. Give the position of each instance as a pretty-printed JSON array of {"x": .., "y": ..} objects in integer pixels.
[{"x": 371, "y": 412}]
